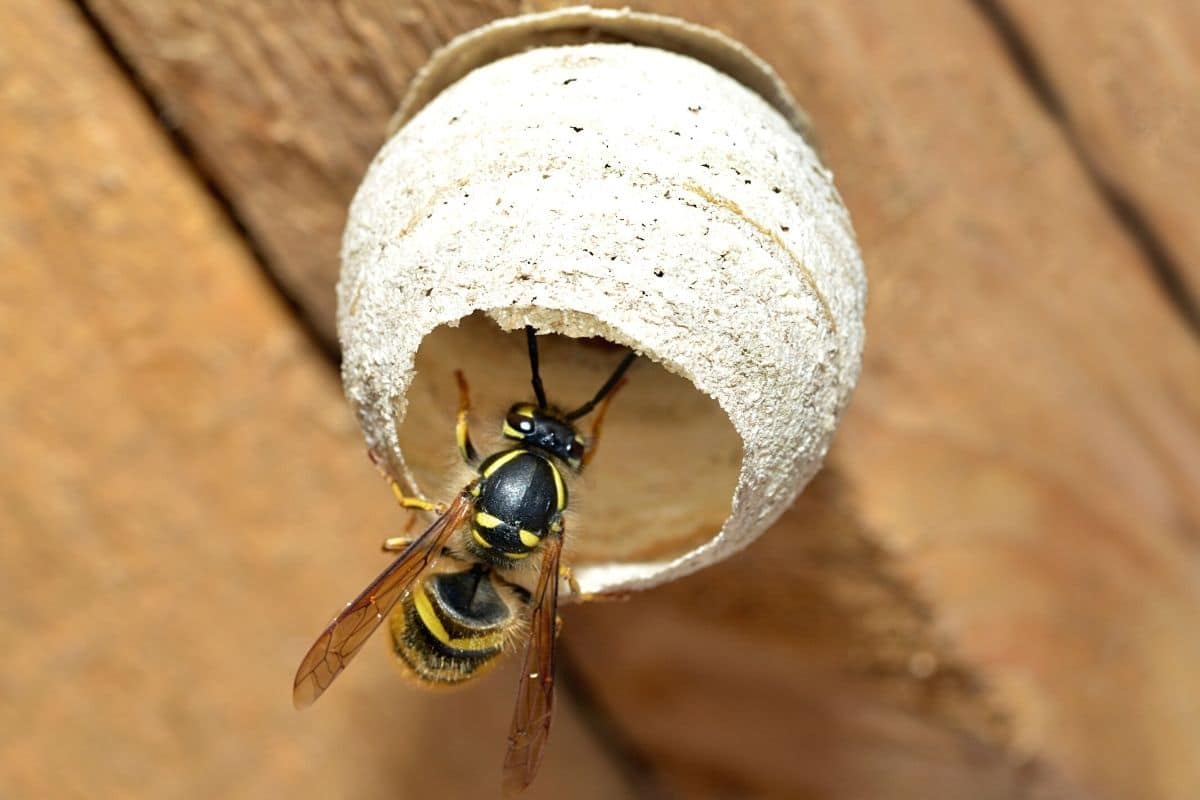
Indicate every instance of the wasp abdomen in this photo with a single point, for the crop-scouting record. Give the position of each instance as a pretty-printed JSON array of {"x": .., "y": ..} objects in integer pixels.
[
  {"x": 519, "y": 498},
  {"x": 451, "y": 626}
]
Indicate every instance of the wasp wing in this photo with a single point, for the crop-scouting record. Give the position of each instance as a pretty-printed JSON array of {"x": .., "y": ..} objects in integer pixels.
[
  {"x": 535, "y": 694},
  {"x": 346, "y": 635}
]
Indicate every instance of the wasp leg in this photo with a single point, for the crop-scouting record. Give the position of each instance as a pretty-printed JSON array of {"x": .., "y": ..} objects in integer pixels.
[
  {"x": 405, "y": 501},
  {"x": 594, "y": 436},
  {"x": 418, "y": 503},
  {"x": 565, "y": 573},
  {"x": 398, "y": 544},
  {"x": 461, "y": 426}
]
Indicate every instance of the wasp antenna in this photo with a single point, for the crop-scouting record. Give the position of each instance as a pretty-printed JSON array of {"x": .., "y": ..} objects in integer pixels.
[
  {"x": 538, "y": 390},
  {"x": 608, "y": 386}
]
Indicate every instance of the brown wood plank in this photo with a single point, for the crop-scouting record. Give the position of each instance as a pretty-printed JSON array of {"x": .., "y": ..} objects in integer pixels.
[
  {"x": 1022, "y": 449},
  {"x": 284, "y": 107},
  {"x": 185, "y": 496},
  {"x": 1127, "y": 77},
  {"x": 992, "y": 591}
]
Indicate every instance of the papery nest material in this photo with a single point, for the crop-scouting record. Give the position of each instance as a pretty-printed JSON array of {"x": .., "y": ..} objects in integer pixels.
[{"x": 615, "y": 177}]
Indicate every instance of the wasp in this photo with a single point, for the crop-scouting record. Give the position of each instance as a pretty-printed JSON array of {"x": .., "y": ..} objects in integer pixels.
[{"x": 450, "y": 621}]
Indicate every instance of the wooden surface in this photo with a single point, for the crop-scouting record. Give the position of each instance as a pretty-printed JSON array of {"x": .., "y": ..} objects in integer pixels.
[
  {"x": 186, "y": 497},
  {"x": 1123, "y": 78},
  {"x": 990, "y": 593}
]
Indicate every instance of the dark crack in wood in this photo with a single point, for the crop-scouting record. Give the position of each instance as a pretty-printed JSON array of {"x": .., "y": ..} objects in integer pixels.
[
  {"x": 1129, "y": 216},
  {"x": 189, "y": 153}
]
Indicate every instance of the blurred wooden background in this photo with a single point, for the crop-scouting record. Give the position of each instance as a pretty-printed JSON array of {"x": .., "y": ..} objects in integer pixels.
[{"x": 993, "y": 590}]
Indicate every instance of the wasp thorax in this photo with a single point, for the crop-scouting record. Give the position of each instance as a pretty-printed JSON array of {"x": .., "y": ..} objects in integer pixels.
[{"x": 544, "y": 430}]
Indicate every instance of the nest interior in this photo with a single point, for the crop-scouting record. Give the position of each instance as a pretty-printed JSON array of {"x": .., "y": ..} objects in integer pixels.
[{"x": 667, "y": 463}]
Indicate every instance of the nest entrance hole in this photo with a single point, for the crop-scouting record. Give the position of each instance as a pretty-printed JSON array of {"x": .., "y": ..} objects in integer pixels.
[{"x": 663, "y": 477}]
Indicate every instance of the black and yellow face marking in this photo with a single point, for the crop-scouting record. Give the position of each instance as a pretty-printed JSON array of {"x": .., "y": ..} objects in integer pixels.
[
  {"x": 455, "y": 624},
  {"x": 546, "y": 430}
]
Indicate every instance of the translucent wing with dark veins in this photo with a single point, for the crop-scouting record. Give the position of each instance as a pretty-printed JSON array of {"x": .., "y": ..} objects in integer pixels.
[
  {"x": 535, "y": 694},
  {"x": 346, "y": 635}
]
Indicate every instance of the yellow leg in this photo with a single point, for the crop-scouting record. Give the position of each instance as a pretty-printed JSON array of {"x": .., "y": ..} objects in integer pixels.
[
  {"x": 462, "y": 433},
  {"x": 418, "y": 503},
  {"x": 398, "y": 544},
  {"x": 566, "y": 574},
  {"x": 405, "y": 501}
]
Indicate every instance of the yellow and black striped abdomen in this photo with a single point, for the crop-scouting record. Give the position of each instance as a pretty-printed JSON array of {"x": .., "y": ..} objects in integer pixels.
[
  {"x": 451, "y": 626},
  {"x": 520, "y": 498}
]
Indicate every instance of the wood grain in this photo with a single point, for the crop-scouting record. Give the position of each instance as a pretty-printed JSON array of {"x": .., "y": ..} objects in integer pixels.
[
  {"x": 1023, "y": 447},
  {"x": 807, "y": 666},
  {"x": 993, "y": 591},
  {"x": 186, "y": 500},
  {"x": 1126, "y": 78},
  {"x": 284, "y": 109}
]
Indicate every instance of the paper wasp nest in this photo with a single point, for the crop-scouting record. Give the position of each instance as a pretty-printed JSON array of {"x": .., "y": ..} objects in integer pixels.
[{"x": 620, "y": 178}]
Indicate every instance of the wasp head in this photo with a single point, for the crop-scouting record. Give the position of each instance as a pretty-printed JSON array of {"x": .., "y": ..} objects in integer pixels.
[{"x": 545, "y": 430}]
